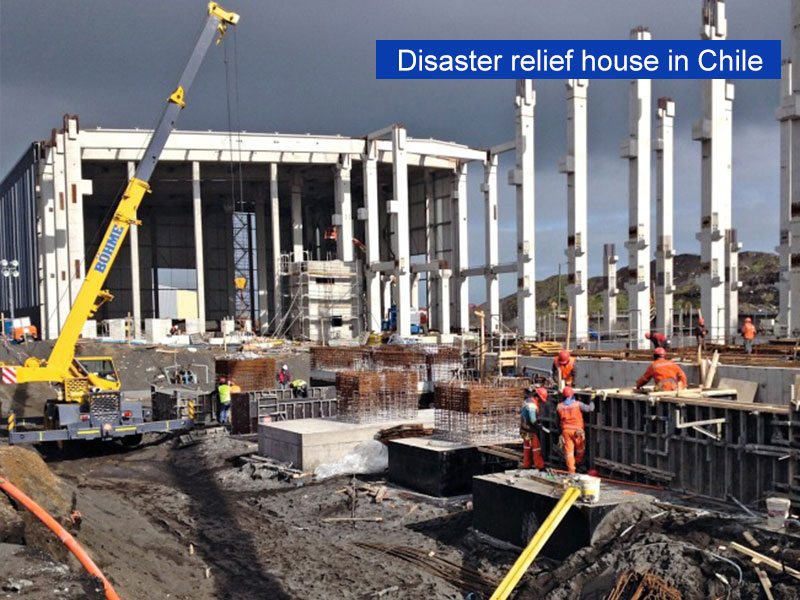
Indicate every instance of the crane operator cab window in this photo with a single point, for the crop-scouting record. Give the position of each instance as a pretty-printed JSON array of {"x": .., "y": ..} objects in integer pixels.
[{"x": 102, "y": 367}]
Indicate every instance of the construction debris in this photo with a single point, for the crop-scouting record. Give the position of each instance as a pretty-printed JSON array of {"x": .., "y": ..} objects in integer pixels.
[
  {"x": 403, "y": 431},
  {"x": 642, "y": 586}
]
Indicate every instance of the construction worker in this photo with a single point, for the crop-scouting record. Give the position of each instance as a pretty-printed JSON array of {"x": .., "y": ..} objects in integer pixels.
[
  {"x": 700, "y": 333},
  {"x": 224, "y": 392},
  {"x": 564, "y": 369},
  {"x": 529, "y": 427},
  {"x": 284, "y": 377},
  {"x": 299, "y": 388},
  {"x": 659, "y": 340},
  {"x": 749, "y": 334},
  {"x": 573, "y": 435},
  {"x": 666, "y": 374}
]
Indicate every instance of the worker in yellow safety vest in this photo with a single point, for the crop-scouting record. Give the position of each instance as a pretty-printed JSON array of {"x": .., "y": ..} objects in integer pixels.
[{"x": 224, "y": 392}]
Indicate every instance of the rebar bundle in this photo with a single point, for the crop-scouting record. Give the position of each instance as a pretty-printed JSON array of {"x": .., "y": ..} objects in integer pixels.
[
  {"x": 248, "y": 373},
  {"x": 376, "y": 396},
  {"x": 478, "y": 413}
]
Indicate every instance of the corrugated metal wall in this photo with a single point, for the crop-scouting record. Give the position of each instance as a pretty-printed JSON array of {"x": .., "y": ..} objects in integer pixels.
[{"x": 18, "y": 235}]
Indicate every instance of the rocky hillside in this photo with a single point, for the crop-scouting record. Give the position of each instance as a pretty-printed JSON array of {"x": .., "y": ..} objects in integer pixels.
[{"x": 758, "y": 272}]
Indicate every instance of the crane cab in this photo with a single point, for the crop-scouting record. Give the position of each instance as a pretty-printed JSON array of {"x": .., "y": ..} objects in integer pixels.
[{"x": 101, "y": 371}]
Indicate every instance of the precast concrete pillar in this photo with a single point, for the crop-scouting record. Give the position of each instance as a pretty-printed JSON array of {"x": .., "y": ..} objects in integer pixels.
[
  {"x": 47, "y": 246},
  {"x": 714, "y": 132},
  {"x": 199, "y": 261},
  {"x": 343, "y": 219},
  {"x": 275, "y": 221},
  {"x": 522, "y": 177},
  {"x": 489, "y": 188},
  {"x": 664, "y": 148},
  {"x": 792, "y": 112},
  {"x": 460, "y": 290},
  {"x": 297, "y": 216},
  {"x": 574, "y": 164},
  {"x": 610, "y": 260},
  {"x": 637, "y": 150},
  {"x": 136, "y": 285},
  {"x": 370, "y": 167},
  {"x": 261, "y": 261},
  {"x": 783, "y": 326},
  {"x": 398, "y": 209},
  {"x": 75, "y": 187}
]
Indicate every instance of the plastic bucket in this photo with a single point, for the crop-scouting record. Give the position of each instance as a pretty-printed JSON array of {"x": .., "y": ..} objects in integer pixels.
[
  {"x": 777, "y": 511},
  {"x": 590, "y": 488},
  {"x": 265, "y": 420}
]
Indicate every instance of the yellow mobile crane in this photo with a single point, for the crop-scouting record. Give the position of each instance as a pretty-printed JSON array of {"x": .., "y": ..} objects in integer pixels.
[{"x": 89, "y": 404}]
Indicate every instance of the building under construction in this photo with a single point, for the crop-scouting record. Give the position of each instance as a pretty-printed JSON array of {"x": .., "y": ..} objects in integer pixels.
[{"x": 343, "y": 422}]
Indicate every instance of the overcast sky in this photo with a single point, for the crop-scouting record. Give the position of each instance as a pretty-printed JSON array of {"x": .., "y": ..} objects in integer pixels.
[{"x": 309, "y": 67}]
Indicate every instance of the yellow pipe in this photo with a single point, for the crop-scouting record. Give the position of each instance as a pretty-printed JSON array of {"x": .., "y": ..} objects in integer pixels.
[{"x": 536, "y": 544}]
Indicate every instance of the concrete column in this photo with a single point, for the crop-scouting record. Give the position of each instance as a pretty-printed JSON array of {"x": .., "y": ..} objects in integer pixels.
[
  {"x": 343, "y": 218},
  {"x": 261, "y": 262},
  {"x": 370, "y": 166},
  {"x": 575, "y": 166},
  {"x": 664, "y": 148},
  {"x": 61, "y": 233},
  {"x": 444, "y": 292},
  {"x": 733, "y": 285},
  {"x": 275, "y": 219},
  {"x": 398, "y": 209},
  {"x": 460, "y": 290},
  {"x": 783, "y": 114},
  {"x": 432, "y": 249},
  {"x": 522, "y": 176},
  {"x": 136, "y": 284},
  {"x": 197, "y": 209},
  {"x": 793, "y": 112},
  {"x": 75, "y": 187},
  {"x": 387, "y": 292},
  {"x": 47, "y": 246},
  {"x": 297, "y": 216},
  {"x": 610, "y": 260},
  {"x": 415, "y": 290},
  {"x": 714, "y": 131},
  {"x": 637, "y": 150},
  {"x": 492, "y": 236}
]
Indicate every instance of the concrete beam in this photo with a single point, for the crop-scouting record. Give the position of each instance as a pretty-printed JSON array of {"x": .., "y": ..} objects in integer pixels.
[
  {"x": 522, "y": 176},
  {"x": 637, "y": 150},
  {"x": 665, "y": 149},
  {"x": 575, "y": 166}
]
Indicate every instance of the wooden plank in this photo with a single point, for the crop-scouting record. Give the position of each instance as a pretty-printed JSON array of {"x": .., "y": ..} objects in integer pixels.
[{"x": 766, "y": 560}]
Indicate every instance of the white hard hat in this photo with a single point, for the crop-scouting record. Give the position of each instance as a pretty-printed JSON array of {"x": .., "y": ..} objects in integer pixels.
[{"x": 285, "y": 367}]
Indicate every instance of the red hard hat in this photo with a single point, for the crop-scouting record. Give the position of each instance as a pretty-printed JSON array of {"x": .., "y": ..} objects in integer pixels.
[
  {"x": 747, "y": 320},
  {"x": 647, "y": 335},
  {"x": 593, "y": 472},
  {"x": 701, "y": 320},
  {"x": 542, "y": 393},
  {"x": 222, "y": 380},
  {"x": 563, "y": 357},
  {"x": 660, "y": 352},
  {"x": 568, "y": 392}
]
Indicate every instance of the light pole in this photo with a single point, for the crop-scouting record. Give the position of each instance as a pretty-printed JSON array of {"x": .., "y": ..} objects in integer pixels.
[{"x": 10, "y": 270}]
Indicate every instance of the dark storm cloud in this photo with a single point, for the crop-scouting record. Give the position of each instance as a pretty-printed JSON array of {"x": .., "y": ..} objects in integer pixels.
[{"x": 309, "y": 67}]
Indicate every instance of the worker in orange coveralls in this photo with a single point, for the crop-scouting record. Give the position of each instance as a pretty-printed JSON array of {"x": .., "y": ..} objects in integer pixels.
[
  {"x": 573, "y": 435},
  {"x": 749, "y": 334},
  {"x": 529, "y": 427},
  {"x": 564, "y": 369},
  {"x": 666, "y": 374}
]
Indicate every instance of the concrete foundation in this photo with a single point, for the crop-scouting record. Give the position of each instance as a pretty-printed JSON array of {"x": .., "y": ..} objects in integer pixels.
[
  {"x": 439, "y": 467},
  {"x": 308, "y": 443},
  {"x": 511, "y": 508}
]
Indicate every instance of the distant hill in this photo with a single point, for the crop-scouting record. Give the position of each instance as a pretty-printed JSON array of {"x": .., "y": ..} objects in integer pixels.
[{"x": 758, "y": 272}]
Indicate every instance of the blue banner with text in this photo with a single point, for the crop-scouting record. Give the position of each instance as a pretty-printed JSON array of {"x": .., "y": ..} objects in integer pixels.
[{"x": 565, "y": 59}]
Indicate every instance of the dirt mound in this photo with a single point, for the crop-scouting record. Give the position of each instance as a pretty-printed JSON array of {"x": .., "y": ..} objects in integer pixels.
[{"x": 26, "y": 470}]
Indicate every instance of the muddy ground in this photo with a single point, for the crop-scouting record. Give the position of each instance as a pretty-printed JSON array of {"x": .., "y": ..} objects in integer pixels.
[{"x": 200, "y": 523}]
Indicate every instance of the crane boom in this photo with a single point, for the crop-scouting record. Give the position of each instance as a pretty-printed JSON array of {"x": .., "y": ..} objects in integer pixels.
[{"x": 59, "y": 366}]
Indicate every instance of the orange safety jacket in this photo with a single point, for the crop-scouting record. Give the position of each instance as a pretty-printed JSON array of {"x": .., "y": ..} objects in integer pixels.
[
  {"x": 749, "y": 331},
  {"x": 665, "y": 373},
  {"x": 571, "y": 415},
  {"x": 567, "y": 371}
]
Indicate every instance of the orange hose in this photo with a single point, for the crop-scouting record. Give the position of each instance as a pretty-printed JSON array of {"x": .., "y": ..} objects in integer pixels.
[{"x": 60, "y": 532}]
